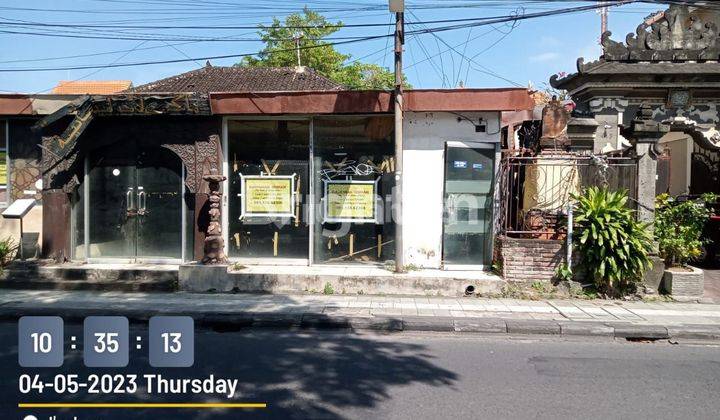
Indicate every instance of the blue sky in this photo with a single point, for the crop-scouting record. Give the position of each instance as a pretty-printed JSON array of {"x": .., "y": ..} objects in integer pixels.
[{"x": 530, "y": 52}]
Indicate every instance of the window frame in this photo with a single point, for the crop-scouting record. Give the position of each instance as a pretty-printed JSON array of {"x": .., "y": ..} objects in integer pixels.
[{"x": 5, "y": 146}]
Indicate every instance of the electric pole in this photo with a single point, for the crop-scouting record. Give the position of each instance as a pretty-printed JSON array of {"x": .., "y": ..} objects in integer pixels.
[
  {"x": 297, "y": 38},
  {"x": 603, "y": 19},
  {"x": 398, "y": 7}
]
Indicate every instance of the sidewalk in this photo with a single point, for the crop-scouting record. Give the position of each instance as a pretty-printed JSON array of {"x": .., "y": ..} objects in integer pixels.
[{"x": 619, "y": 319}]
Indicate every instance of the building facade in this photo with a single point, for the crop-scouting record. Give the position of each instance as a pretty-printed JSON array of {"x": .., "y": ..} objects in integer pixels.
[{"x": 309, "y": 175}]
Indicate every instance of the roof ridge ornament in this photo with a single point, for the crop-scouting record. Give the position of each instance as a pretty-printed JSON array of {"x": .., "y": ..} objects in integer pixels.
[{"x": 679, "y": 35}]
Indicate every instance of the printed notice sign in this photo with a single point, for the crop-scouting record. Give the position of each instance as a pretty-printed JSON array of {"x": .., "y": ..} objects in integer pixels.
[
  {"x": 350, "y": 201},
  {"x": 268, "y": 196},
  {"x": 3, "y": 168}
]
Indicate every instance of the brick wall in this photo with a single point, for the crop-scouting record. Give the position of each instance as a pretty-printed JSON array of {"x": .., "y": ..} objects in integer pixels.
[{"x": 531, "y": 259}]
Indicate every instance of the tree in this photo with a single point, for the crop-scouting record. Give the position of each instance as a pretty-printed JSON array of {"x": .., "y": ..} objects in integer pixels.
[{"x": 307, "y": 30}]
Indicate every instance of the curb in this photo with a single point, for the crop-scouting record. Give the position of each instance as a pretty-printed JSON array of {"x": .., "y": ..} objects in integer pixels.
[{"x": 321, "y": 321}]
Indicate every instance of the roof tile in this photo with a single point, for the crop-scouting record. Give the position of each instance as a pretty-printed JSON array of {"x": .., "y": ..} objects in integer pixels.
[
  {"x": 242, "y": 79},
  {"x": 92, "y": 87}
]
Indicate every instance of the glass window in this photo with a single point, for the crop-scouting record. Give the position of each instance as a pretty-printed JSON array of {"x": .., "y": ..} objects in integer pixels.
[
  {"x": 353, "y": 176},
  {"x": 3, "y": 163},
  {"x": 268, "y": 168}
]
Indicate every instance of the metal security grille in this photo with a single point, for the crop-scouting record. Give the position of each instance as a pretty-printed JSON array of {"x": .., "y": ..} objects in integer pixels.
[{"x": 535, "y": 191}]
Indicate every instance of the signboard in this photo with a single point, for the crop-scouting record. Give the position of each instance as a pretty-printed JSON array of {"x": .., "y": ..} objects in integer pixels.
[
  {"x": 19, "y": 208},
  {"x": 350, "y": 201},
  {"x": 3, "y": 168},
  {"x": 267, "y": 196}
]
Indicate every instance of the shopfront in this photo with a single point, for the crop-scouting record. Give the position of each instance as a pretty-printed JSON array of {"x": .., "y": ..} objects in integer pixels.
[
  {"x": 310, "y": 177},
  {"x": 309, "y": 190},
  {"x": 132, "y": 189}
]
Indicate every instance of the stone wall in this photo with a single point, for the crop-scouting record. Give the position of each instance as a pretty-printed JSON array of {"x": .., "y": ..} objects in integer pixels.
[{"x": 530, "y": 260}]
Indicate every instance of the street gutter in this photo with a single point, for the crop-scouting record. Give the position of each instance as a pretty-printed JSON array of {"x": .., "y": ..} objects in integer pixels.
[{"x": 237, "y": 321}]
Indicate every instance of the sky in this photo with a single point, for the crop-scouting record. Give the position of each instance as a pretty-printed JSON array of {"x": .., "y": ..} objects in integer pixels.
[{"x": 504, "y": 55}]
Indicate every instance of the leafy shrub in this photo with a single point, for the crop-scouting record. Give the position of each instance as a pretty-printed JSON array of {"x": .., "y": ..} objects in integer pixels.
[
  {"x": 7, "y": 250},
  {"x": 679, "y": 226},
  {"x": 563, "y": 272},
  {"x": 613, "y": 245},
  {"x": 328, "y": 289}
]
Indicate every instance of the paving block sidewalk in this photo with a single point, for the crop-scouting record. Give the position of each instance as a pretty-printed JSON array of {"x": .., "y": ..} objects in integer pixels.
[{"x": 623, "y": 319}]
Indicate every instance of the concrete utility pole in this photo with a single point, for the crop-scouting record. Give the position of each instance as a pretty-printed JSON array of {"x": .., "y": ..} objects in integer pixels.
[
  {"x": 603, "y": 19},
  {"x": 297, "y": 48},
  {"x": 398, "y": 7}
]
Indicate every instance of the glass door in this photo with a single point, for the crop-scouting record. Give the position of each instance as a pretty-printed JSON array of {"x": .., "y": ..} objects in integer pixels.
[
  {"x": 467, "y": 216},
  {"x": 158, "y": 189},
  {"x": 134, "y": 212},
  {"x": 112, "y": 214}
]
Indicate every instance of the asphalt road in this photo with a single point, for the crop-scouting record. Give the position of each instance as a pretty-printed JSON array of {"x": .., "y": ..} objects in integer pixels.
[{"x": 362, "y": 375}]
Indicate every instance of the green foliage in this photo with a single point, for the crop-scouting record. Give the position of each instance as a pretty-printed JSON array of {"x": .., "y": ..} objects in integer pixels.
[
  {"x": 613, "y": 245},
  {"x": 363, "y": 76},
  {"x": 8, "y": 248},
  {"x": 538, "y": 286},
  {"x": 237, "y": 266},
  {"x": 563, "y": 273},
  {"x": 280, "y": 51},
  {"x": 497, "y": 267},
  {"x": 679, "y": 227},
  {"x": 328, "y": 289}
]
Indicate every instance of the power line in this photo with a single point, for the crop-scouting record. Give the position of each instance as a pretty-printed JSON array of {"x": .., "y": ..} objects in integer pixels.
[
  {"x": 215, "y": 57},
  {"x": 361, "y": 39},
  {"x": 104, "y": 53},
  {"x": 486, "y": 71},
  {"x": 17, "y": 22}
]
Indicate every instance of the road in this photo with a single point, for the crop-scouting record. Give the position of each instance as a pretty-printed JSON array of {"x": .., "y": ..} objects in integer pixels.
[{"x": 411, "y": 376}]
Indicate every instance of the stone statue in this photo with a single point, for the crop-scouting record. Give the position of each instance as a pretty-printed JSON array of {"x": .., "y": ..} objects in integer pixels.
[
  {"x": 214, "y": 244},
  {"x": 554, "y": 125}
]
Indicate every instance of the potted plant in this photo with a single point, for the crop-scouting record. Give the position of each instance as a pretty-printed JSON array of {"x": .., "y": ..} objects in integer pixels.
[{"x": 679, "y": 226}]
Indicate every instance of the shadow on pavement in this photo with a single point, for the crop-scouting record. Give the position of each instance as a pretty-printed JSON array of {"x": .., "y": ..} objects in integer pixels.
[{"x": 298, "y": 374}]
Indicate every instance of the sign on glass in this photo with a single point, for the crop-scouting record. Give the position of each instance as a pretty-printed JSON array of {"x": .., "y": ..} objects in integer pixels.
[
  {"x": 350, "y": 201},
  {"x": 268, "y": 196}
]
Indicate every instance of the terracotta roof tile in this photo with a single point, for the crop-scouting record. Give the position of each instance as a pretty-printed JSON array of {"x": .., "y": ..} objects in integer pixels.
[
  {"x": 242, "y": 79},
  {"x": 93, "y": 87}
]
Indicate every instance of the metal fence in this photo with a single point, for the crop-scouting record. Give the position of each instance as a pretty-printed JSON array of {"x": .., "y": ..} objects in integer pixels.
[{"x": 535, "y": 192}]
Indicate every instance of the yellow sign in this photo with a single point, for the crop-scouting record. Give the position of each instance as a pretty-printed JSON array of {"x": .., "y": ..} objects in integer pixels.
[
  {"x": 350, "y": 201},
  {"x": 3, "y": 168},
  {"x": 268, "y": 195}
]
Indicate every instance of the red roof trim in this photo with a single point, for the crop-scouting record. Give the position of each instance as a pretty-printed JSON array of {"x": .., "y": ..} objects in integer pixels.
[
  {"x": 15, "y": 105},
  {"x": 357, "y": 102}
]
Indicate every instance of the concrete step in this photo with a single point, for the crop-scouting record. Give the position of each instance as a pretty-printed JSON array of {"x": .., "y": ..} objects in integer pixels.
[
  {"x": 23, "y": 275},
  {"x": 370, "y": 280}
]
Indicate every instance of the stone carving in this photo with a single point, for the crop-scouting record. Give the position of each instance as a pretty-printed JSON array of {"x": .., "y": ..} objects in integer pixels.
[
  {"x": 199, "y": 158},
  {"x": 677, "y": 34},
  {"x": 554, "y": 125},
  {"x": 645, "y": 127},
  {"x": 132, "y": 104},
  {"x": 214, "y": 244},
  {"x": 614, "y": 49},
  {"x": 608, "y": 103},
  {"x": 59, "y": 172},
  {"x": 60, "y": 155},
  {"x": 186, "y": 153}
]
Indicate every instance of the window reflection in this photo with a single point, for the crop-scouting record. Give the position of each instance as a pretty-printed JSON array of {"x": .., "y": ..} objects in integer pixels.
[
  {"x": 270, "y": 159},
  {"x": 353, "y": 175}
]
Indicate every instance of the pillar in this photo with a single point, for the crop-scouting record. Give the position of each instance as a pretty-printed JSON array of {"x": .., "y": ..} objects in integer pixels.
[
  {"x": 56, "y": 225},
  {"x": 647, "y": 176},
  {"x": 200, "y": 226}
]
